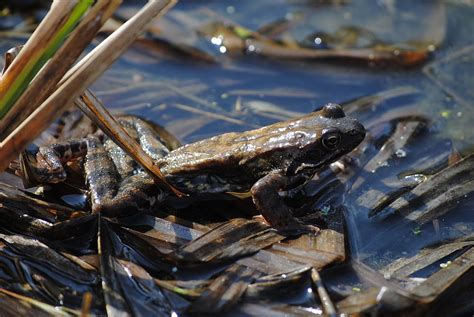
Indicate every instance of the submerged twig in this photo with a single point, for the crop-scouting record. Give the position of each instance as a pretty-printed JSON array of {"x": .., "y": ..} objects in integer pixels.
[
  {"x": 438, "y": 194},
  {"x": 326, "y": 301},
  {"x": 447, "y": 278},
  {"x": 63, "y": 311},
  {"x": 86, "y": 304}
]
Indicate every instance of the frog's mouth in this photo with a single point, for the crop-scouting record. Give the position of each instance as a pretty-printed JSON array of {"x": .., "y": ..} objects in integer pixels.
[{"x": 306, "y": 166}]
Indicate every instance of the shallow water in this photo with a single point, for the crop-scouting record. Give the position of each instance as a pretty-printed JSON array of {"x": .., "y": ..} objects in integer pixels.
[{"x": 170, "y": 90}]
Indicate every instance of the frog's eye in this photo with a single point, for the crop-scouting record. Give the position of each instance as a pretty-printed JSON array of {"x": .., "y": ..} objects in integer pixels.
[{"x": 331, "y": 138}]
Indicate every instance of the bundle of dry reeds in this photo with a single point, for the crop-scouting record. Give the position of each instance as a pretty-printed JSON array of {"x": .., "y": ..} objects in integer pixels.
[{"x": 42, "y": 80}]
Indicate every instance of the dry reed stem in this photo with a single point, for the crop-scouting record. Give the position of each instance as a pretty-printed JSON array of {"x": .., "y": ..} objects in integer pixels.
[
  {"x": 87, "y": 72},
  {"x": 46, "y": 80},
  {"x": 36, "y": 45},
  {"x": 93, "y": 108}
]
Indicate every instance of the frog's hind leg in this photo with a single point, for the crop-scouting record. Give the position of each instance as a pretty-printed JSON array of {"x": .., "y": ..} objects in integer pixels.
[
  {"x": 137, "y": 193},
  {"x": 101, "y": 174},
  {"x": 267, "y": 200},
  {"x": 149, "y": 140},
  {"x": 112, "y": 193}
]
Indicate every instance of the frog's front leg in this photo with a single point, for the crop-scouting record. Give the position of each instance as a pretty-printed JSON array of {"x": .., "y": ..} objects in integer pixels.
[
  {"x": 272, "y": 207},
  {"x": 112, "y": 195}
]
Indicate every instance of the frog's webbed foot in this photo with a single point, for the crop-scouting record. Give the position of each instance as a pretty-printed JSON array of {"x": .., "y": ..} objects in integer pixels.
[
  {"x": 273, "y": 208},
  {"x": 136, "y": 193}
]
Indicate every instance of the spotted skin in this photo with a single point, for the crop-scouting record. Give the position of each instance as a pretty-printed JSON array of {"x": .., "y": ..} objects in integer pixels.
[
  {"x": 263, "y": 161},
  {"x": 49, "y": 168}
]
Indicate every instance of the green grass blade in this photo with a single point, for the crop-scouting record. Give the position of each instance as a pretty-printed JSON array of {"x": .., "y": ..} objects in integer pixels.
[{"x": 32, "y": 67}]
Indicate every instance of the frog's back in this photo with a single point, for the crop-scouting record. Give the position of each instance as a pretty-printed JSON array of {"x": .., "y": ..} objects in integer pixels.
[
  {"x": 235, "y": 161},
  {"x": 230, "y": 162},
  {"x": 256, "y": 151}
]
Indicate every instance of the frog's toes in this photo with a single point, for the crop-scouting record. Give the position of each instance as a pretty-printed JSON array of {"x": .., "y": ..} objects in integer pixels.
[{"x": 313, "y": 230}]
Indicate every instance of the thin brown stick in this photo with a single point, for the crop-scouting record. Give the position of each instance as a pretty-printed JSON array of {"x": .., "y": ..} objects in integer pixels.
[
  {"x": 93, "y": 108},
  {"x": 128, "y": 32},
  {"x": 326, "y": 302},
  {"x": 46, "y": 80},
  {"x": 86, "y": 74},
  {"x": 86, "y": 304}
]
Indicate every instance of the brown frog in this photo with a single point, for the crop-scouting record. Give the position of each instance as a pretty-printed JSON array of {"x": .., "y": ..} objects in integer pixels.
[{"x": 263, "y": 161}]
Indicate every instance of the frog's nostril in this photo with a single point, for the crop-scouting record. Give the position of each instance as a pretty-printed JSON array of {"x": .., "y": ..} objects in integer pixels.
[{"x": 357, "y": 128}]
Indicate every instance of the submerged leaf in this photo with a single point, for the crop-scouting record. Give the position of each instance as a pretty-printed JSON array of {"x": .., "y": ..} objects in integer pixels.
[{"x": 236, "y": 238}]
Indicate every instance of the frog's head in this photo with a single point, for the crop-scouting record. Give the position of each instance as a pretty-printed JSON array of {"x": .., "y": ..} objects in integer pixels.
[{"x": 329, "y": 135}]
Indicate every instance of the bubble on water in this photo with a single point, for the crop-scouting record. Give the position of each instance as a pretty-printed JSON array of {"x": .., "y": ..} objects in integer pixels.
[
  {"x": 400, "y": 153},
  {"x": 217, "y": 40}
]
